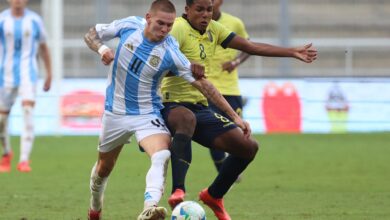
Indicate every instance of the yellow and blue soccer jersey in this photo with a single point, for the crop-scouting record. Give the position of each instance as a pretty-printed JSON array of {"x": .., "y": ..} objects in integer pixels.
[
  {"x": 139, "y": 66},
  {"x": 19, "y": 45},
  {"x": 227, "y": 83},
  {"x": 199, "y": 48}
]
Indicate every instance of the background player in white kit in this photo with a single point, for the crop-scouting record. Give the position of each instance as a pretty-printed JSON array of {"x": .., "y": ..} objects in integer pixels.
[
  {"x": 145, "y": 54},
  {"x": 22, "y": 36}
]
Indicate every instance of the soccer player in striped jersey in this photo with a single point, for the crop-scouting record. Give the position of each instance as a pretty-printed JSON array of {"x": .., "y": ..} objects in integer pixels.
[
  {"x": 145, "y": 54},
  {"x": 22, "y": 36},
  {"x": 187, "y": 114}
]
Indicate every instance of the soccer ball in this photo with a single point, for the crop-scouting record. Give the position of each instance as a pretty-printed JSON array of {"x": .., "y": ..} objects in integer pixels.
[{"x": 188, "y": 210}]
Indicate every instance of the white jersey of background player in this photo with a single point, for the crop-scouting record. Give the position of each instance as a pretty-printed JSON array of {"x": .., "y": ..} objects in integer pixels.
[
  {"x": 22, "y": 36},
  {"x": 20, "y": 39},
  {"x": 145, "y": 54}
]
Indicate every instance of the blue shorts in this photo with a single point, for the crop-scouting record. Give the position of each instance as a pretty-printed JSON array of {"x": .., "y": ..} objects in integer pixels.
[
  {"x": 209, "y": 124},
  {"x": 234, "y": 101}
]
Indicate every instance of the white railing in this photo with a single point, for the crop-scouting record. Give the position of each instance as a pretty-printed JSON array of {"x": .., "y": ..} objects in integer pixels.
[{"x": 343, "y": 50}]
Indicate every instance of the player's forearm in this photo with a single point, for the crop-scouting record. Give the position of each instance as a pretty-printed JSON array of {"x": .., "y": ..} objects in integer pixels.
[
  {"x": 260, "y": 49},
  {"x": 241, "y": 58},
  {"x": 212, "y": 94},
  {"x": 92, "y": 40},
  {"x": 45, "y": 54},
  {"x": 268, "y": 50}
]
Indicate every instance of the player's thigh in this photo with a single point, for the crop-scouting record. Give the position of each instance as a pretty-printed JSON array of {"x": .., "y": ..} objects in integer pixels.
[
  {"x": 216, "y": 131},
  {"x": 7, "y": 99},
  {"x": 151, "y": 133},
  {"x": 156, "y": 142},
  {"x": 178, "y": 117},
  {"x": 209, "y": 126},
  {"x": 115, "y": 132}
]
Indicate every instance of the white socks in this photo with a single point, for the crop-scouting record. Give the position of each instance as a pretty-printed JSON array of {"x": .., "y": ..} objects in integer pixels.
[
  {"x": 4, "y": 137},
  {"x": 97, "y": 186},
  {"x": 27, "y": 137},
  {"x": 155, "y": 178}
]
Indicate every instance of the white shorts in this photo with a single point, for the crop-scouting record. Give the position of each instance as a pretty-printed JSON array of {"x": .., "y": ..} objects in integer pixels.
[
  {"x": 117, "y": 129},
  {"x": 8, "y": 95}
]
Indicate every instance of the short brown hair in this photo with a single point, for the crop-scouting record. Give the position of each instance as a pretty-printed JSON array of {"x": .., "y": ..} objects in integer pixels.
[{"x": 163, "y": 5}]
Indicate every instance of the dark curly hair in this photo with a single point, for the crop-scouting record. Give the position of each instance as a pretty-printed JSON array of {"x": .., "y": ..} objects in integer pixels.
[{"x": 190, "y": 2}]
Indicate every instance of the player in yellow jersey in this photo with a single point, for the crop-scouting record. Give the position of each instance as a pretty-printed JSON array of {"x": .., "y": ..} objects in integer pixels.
[
  {"x": 186, "y": 111},
  {"x": 224, "y": 74}
]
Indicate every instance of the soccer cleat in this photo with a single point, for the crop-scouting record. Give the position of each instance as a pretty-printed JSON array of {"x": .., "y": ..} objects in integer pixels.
[
  {"x": 24, "y": 167},
  {"x": 153, "y": 213},
  {"x": 176, "y": 198},
  {"x": 214, "y": 204},
  {"x": 5, "y": 163},
  {"x": 94, "y": 215}
]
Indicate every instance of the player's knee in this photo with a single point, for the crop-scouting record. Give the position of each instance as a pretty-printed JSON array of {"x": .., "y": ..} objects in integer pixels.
[
  {"x": 161, "y": 157},
  {"x": 250, "y": 149},
  {"x": 183, "y": 122},
  {"x": 253, "y": 149},
  {"x": 187, "y": 119}
]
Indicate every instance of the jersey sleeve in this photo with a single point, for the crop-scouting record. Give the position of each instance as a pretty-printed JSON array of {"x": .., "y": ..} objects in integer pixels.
[
  {"x": 181, "y": 65},
  {"x": 116, "y": 28},
  {"x": 224, "y": 34},
  {"x": 41, "y": 29}
]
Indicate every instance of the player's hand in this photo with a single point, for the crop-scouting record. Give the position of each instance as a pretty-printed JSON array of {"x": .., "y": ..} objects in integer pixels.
[
  {"x": 198, "y": 71},
  {"x": 47, "y": 84},
  {"x": 107, "y": 56},
  {"x": 305, "y": 53},
  {"x": 245, "y": 127},
  {"x": 228, "y": 66}
]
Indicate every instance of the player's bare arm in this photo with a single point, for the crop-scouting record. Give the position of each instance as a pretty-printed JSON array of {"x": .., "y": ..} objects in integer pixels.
[
  {"x": 96, "y": 44},
  {"x": 92, "y": 40},
  {"x": 233, "y": 64},
  {"x": 44, "y": 53},
  {"x": 306, "y": 53},
  {"x": 212, "y": 94}
]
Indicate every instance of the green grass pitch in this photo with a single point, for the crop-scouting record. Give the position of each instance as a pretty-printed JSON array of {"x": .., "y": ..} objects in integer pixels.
[{"x": 343, "y": 176}]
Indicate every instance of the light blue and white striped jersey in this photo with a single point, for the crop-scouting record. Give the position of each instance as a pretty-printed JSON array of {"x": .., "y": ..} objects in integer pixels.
[
  {"x": 19, "y": 44},
  {"x": 139, "y": 66}
]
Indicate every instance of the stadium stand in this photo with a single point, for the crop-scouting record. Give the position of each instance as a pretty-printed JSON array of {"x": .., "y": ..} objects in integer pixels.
[{"x": 334, "y": 26}]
